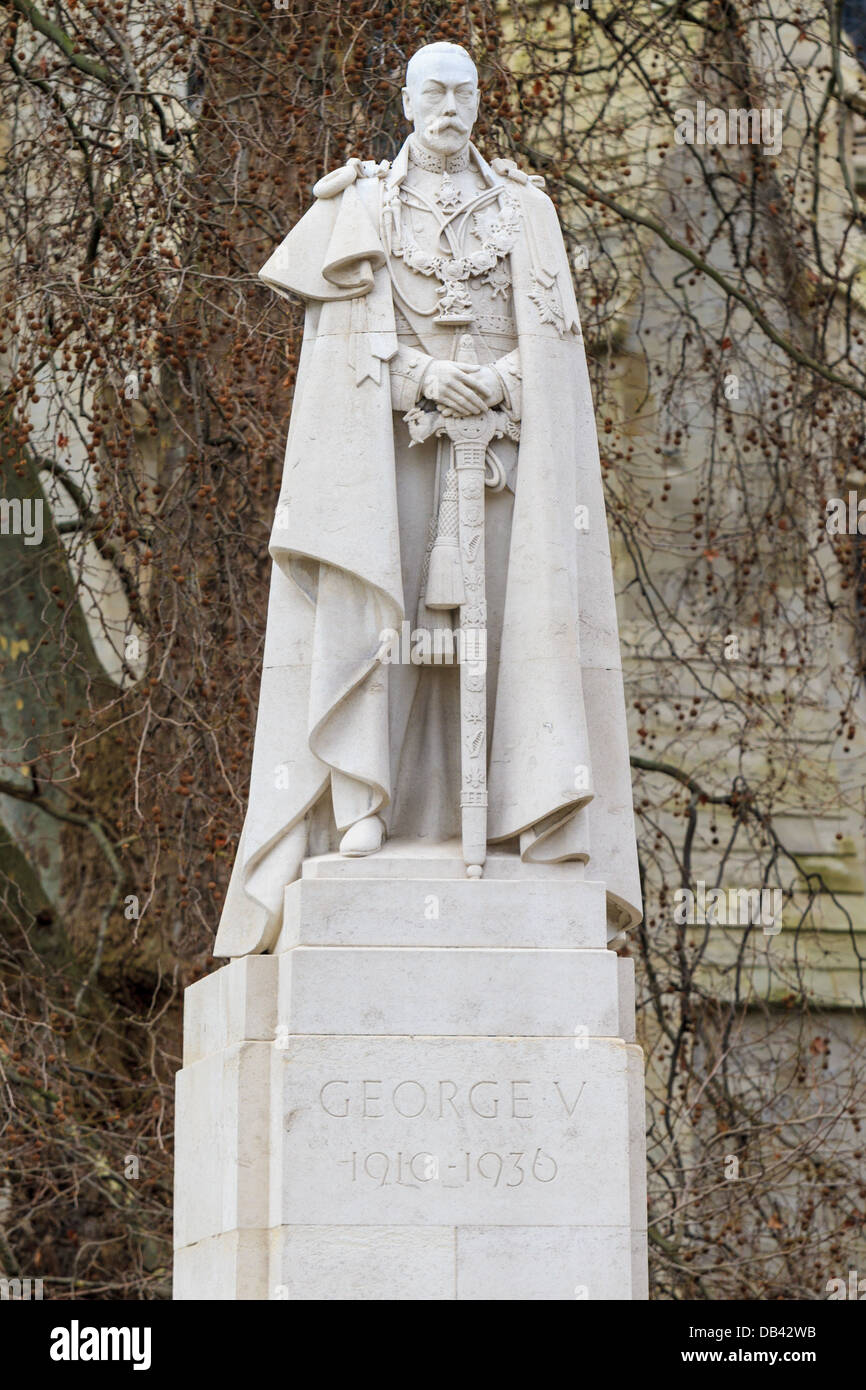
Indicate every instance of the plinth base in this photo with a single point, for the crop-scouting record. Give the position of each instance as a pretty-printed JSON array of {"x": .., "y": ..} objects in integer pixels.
[{"x": 429, "y": 1091}]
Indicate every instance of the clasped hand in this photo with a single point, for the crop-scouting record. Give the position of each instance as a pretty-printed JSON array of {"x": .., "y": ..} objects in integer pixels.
[{"x": 460, "y": 388}]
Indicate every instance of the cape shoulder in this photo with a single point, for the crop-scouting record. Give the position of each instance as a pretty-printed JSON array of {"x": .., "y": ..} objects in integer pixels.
[{"x": 332, "y": 252}]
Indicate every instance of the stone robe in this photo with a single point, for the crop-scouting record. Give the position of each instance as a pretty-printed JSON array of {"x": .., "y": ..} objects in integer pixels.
[{"x": 342, "y": 734}]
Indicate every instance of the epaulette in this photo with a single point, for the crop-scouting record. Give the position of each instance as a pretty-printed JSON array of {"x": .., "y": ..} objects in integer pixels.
[
  {"x": 332, "y": 184},
  {"x": 509, "y": 170}
]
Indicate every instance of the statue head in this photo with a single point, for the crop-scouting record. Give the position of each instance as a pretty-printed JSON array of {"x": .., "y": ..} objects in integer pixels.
[{"x": 441, "y": 97}]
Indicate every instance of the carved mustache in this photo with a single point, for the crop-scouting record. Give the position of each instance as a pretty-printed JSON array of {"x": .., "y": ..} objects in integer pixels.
[{"x": 446, "y": 123}]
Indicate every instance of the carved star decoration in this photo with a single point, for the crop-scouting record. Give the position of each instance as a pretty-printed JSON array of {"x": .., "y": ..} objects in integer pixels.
[
  {"x": 499, "y": 280},
  {"x": 448, "y": 195}
]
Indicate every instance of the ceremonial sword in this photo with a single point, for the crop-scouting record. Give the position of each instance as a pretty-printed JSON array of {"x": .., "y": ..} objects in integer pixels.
[{"x": 470, "y": 436}]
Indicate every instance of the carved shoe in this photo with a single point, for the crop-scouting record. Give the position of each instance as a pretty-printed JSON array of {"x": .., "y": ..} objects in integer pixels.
[{"x": 364, "y": 837}]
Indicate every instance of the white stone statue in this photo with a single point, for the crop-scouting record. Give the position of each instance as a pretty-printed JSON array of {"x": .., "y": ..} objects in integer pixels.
[{"x": 442, "y": 651}]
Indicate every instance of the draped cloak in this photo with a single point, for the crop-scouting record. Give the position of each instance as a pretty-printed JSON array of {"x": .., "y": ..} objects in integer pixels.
[{"x": 558, "y": 770}]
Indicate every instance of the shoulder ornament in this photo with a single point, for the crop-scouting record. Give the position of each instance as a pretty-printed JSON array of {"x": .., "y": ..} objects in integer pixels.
[
  {"x": 509, "y": 170},
  {"x": 339, "y": 179}
]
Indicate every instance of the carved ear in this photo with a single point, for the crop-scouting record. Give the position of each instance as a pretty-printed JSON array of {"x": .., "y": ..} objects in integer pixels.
[{"x": 407, "y": 104}]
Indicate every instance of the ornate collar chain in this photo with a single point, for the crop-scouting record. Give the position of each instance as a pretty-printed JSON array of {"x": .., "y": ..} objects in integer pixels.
[
  {"x": 437, "y": 163},
  {"x": 496, "y": 227}
]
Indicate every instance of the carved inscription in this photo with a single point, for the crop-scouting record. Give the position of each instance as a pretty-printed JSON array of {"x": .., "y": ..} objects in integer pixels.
[
  {"x": 508, "y": 1170},
  {"x": 450, "y": 1132},
  {"x": 409, "y": 1099},
  {"x": 375, "y": 1098}
]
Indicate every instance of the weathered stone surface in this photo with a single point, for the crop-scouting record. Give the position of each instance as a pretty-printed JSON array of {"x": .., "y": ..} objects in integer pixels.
[
  {"x": 230, "y": 1006},
  {"x": 440, "y": 990},
  {"x": 456, "y": 912},
  {"x": 228, "y": 1268},
  {"x": 363, "y": 1263},
  {"x": 221, "y": 1143},
  {"x": 637, "y": 1172},
  {"x": 544, "y": 1263}
]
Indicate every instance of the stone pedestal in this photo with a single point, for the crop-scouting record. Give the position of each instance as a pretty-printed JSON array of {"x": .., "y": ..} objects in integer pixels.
[{"x": 429, "y": 1091}]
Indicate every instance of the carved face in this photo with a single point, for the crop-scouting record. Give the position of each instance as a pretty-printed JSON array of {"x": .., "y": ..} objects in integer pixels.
[{"x": 442, "y": 100}]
